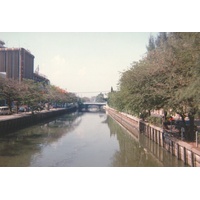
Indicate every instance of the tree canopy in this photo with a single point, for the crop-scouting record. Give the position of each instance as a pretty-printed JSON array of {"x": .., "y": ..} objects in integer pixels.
[
  {"x": 167, "y": 77},
  {"x": 33, "y": 94}
]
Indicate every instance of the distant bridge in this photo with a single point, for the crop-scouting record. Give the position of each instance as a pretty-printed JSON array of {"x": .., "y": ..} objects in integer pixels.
[{"x": 87, "y": 105}]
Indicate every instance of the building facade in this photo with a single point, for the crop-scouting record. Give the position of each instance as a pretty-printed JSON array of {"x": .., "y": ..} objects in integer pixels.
[
  {"x": 17, "y": 63},
  {"x": 40, "y": 78}
]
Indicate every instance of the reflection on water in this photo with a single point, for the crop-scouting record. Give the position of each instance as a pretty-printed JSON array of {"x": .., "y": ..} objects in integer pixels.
[
  {"x": 16, "y": 149},
  {"x": 139, "y": 152},
  {"x": 89, "y": 139}
]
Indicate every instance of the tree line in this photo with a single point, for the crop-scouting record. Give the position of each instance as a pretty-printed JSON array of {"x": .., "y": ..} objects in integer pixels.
[
  {"x": 33, "y": 94},
  {"x": 167, "y": 77}
]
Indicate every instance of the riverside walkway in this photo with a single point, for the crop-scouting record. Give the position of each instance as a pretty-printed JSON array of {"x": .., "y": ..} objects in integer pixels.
[
  {"x": 20, "y": 120},
  {"x": 23, "y": 114}
]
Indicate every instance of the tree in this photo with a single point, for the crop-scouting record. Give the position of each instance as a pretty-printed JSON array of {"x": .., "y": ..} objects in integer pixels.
[
  {"x": 168, "y": 78},
  {"x": 56, "y": 95},
  {"x": 161, "y": 39},
  {"x": 186, "y": 47},
  {"x": 31, "y": 94},
  {"x": 151, "y": 45},
  {"x": 9, "y": 90},
  {"x": 100, "y": 98}
]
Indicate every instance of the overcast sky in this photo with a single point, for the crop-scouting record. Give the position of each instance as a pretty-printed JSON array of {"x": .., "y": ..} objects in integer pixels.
[{"x": 85, "y": 63}]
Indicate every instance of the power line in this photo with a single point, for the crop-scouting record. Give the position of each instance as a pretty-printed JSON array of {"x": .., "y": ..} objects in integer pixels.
[{"x": 93, "y": 92}]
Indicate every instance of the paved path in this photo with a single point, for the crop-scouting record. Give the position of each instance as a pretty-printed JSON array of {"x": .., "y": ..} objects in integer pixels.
[{"x": 22, "y": 114}]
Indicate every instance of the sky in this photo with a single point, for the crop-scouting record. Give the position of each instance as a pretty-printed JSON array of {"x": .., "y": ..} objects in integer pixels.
[
  {"x": 85, "y": 63},
  {"x": 82, "y": 46}
]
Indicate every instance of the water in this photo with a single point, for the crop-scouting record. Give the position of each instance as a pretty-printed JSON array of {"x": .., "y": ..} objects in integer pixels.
[{"x": 81, "y": 140}]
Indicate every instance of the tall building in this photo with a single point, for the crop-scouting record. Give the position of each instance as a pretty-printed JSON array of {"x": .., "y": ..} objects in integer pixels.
[{"x": 17, "y": 63}]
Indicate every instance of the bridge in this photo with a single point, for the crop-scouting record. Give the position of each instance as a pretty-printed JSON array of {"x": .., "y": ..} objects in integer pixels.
[{"x": 87, "y": 105}]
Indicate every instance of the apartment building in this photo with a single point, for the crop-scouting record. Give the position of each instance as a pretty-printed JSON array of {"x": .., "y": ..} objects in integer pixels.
[{"x": 16, "y": 63}]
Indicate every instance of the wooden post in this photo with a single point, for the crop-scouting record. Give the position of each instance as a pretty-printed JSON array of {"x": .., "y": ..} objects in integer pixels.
[
  {"x": 192, "y": 159},
  {"x": 177, "y": 146},
  {"x": 196, "y": 138},
  {"x": 184, "y": 155},
  {"x": 172, "y": 145}
]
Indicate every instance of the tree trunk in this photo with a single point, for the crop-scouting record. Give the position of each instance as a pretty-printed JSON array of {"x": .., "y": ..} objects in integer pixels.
[
  {"x": 191, "y": 130},
  {"x": 191, "y": 115},
  {"x": 186, "y": 132},
  {"x": 165, "y": 116},
  {"x": 9, "y": 104}
]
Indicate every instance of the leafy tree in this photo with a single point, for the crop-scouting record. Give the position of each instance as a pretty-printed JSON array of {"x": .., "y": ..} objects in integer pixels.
[
  {"x": 31, "y": 94},
  {"x": 100, "y": 98},
  {"x": 168, "y": 78},
  {"x": 186, "y": 48},
  {"x": 161, "y": 39},
  {"x": 115, "y": 100},
  {"x": 9, "y": 90},
  {"x": 151, "y": 45}
]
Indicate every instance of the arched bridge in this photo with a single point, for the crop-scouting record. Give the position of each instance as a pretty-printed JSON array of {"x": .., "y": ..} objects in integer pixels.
[{"x": 87, "y": 105}]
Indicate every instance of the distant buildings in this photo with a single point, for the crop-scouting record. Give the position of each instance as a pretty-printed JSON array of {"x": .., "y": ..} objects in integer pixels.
[
  {"x": 40, "y": 78},
  {"x": 18, "y": 63}
]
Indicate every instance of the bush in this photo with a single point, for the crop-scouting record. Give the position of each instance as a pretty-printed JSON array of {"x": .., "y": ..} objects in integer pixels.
[{"x": 157, "y": 121}]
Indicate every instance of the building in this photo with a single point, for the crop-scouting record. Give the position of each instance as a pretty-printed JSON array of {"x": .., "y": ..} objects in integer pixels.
[
  {"x": 17, "y": 63},
  {"x": 40, "y": 78}
]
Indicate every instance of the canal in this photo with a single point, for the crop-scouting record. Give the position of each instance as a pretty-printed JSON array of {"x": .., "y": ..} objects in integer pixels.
[{"x": 89, "y": 139}]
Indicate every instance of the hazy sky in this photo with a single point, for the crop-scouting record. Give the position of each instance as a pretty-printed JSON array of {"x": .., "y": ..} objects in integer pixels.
[{"x": 81, "y": 62}]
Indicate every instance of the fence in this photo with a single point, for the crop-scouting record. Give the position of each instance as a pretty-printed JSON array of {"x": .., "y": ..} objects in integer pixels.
[{"x": 197, "y": 138}]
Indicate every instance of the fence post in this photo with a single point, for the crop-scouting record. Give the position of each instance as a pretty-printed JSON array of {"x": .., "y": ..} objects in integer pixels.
[
  {"x": 182, "y": 132},
  {"x": 196, "y": 138}
]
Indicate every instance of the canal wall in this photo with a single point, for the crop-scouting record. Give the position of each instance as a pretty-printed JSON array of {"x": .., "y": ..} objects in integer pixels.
[
  {"x": 187, "y": 152},
  {"x": 129, "y": 122},
  {"x": 18, "y": 121}
]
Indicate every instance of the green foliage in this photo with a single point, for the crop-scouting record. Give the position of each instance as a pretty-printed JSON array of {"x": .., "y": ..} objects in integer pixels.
[
  {"x": 115, "y": 100},
  {"x": 157, "y": 121},
  {"x": 100, "y": 98},
  {"x": 151, "y": 45},
  {"x": 32, "y": 93},
  {"x": 167, "y": 77},
  {"x": 9, "y": 90},
  {"x": 161, "y": 39}
]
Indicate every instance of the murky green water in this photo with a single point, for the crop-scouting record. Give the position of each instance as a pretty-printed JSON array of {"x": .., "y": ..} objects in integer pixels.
[{"x": 76, "y": 140}]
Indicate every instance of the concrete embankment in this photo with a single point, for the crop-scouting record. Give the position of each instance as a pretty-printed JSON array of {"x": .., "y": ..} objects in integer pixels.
[
  {"x": 187, "y": 152},
  {"x": 17, "y": 121},
  {"x": 127, "y": 121}
]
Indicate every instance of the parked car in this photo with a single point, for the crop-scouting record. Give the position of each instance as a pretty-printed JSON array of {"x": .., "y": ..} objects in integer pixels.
[
  {"x": 4, "y": 110},
  {"x": 23, "y": 109}
]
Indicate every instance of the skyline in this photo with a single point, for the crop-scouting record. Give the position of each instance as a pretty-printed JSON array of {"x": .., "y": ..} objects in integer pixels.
[{"x": 85, "y": 63}]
